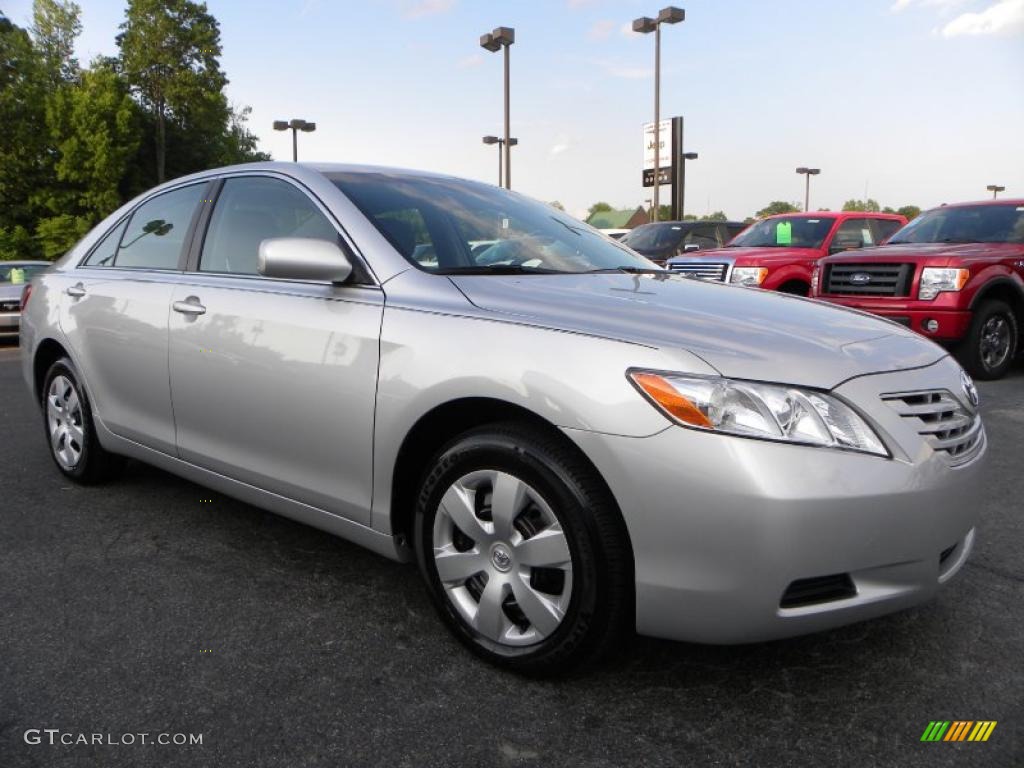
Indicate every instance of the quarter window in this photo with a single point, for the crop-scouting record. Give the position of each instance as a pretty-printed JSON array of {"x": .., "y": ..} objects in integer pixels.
[
  {"x": 884, "y": 229},
  {"x": 157, "y": 230},
  {"x": 250, "y": 210},
  {"x": 853, "y": 233},
  {"x": 103, "y": 254}
]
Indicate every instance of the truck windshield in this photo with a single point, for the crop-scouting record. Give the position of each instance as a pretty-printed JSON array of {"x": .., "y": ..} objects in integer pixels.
[
  {"x": 995, "y": 223},
  {"x": 655, "y": 237},
  {"x": 788, "y": 232},
  {"x": 452, "y": 226}
]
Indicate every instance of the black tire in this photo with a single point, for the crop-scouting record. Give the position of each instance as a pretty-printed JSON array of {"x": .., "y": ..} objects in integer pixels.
[
  {"x": 600, "y": 612},
  {"x": 992, "y": 318},
  {"x": 94, "y": 464}
]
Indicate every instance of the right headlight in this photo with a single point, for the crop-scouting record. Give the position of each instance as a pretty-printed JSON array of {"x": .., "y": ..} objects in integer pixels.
[
  {"x": 752, "y": 409},
  {"x": 935, "y": 280}
]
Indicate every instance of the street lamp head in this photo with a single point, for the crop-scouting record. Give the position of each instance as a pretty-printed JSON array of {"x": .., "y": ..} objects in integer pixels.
[
  {"x": 513, "y": 142},
  {"x": 487, "y": 41},
  {"x": 280, "y": 125},
  {"x": 307, "y": 127},
  {"x": 995, "y": 188},
  {"x": 801, "y": 169},
  {"x": 809, "y": 171},
  {"x": 689, "y": 155},
  {"x": 492, "y": 140},
  {"x": 297, "y": 124},
  {"x": 504, "y": 35},
  {"x": 644, "y": 24},
  {"x": 671, "y": 15}
]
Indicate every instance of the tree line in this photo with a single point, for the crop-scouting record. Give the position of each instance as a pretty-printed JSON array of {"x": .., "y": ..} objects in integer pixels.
[
  {"x": 773, "y": 208},
  {"x": 77, "y": 142}
]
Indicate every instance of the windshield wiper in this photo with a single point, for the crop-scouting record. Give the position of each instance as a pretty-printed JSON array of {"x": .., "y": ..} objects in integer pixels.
[
  {"x": 498, "y": 269},
  {"x": 628, "y": 270}
]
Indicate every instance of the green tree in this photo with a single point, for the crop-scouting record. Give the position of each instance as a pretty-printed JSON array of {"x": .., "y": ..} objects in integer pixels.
[
  {"x": 909, "y": 211},
  {"x": 169, "y": 55},
  {"x": 598, "y": 208},
  {"x": 776, "y": 207},
  {"x": 870, "y": 205},
  {"x": 716, "y": 216},
  {"x": 55, "y": 26}
]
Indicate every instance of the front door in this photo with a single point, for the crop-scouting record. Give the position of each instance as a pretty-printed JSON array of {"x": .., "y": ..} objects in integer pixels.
[{"x": 273, "y": 381}]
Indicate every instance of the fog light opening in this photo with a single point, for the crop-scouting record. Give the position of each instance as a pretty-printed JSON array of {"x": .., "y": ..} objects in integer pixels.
[{"x": 931, "y": 325}]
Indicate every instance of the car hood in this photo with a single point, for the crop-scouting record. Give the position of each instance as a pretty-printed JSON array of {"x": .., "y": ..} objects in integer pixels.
[
  {"x": 719, "y": 254},
  {"x": 742, "y": 333},
  {"x": 936, "y": 251}
]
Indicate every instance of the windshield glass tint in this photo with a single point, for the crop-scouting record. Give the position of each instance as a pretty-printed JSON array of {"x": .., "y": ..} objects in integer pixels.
[
  {"x": 451, "y": 225},
  {"x": 790, "y": 232},
  {"x": 967, "y": 224},
  {"x": 19, "y": 273},
  {"x": 655, "y": 237}
]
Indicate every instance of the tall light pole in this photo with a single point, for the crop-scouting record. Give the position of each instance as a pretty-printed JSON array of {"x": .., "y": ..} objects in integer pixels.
[
  {"x": 296, "y": 126},
  {"x": 500, "y": 142},
  {"x": 643, "y": 25},
  {"x": 808, "y": 172},
  {"x": 995, "y": 189},
  {"x": 503, "y": 37}
]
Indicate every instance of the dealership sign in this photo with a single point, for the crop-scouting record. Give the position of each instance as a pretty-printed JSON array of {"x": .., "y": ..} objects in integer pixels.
[{"x": 664, "y": 140}]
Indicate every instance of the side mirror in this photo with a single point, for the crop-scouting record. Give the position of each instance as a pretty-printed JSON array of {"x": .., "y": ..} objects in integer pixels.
[
  {"x": 691, "y": 247},
  {"x": 303, "y": 258}
]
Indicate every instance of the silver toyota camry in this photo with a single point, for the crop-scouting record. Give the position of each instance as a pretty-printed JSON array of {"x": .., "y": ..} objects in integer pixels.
[{"x": 572, "y": 443}]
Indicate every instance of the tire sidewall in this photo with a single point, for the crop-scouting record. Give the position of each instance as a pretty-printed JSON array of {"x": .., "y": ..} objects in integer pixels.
[
  {"x": 567, "y": 501},
  {"x": 984, "y": 313}
]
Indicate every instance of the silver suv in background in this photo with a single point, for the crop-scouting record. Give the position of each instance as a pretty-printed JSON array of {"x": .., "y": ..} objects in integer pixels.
[{"x": 571, "y": 442}]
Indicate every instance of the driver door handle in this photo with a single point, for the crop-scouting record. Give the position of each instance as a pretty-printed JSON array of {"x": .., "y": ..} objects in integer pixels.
[
  {"x": 76, "y": 291},
  {"x": 189, "y": 306}
]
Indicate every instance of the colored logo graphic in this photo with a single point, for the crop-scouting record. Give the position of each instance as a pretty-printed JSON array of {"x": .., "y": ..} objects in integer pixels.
[{"x": 958, "y": 730}]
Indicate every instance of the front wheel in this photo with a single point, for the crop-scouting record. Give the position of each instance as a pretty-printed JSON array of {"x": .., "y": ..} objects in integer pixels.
[
  {"x": 987, "y": 351},
  {"x": 523, "y": 552}
]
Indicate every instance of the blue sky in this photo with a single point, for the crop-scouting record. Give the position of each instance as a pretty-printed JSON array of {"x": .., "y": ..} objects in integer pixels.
[{"x": 907, "y": 101}]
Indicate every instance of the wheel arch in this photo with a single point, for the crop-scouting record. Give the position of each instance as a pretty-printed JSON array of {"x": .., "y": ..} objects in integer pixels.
[
  {"x": 441, "y": 425},
  {"x": 48, "y": 351},
  {"x": 1004, "y": 289}
]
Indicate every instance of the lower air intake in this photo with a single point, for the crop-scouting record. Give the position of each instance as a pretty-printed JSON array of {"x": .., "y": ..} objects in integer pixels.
[{"x": 820, "y": 589}]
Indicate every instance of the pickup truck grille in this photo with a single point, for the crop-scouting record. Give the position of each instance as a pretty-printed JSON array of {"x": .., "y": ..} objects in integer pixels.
[
  {"x": 701, "y": 269},
  {"x": 10, "y": 306},
  {"x": 942, "y": 421},
  {"x": 868, "y": 279}
]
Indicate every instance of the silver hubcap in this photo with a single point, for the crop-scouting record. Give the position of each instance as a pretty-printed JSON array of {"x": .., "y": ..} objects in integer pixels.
[
  {"x": 64, "y": 420},
  {"x": 995, "y": 341},
  {"x": 502, "y": 558}
]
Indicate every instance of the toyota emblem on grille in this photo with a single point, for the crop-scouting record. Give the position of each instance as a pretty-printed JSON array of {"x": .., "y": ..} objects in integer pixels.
[
  {"x": 860, "y": 278},
  {"x": 970, "y": 390}
]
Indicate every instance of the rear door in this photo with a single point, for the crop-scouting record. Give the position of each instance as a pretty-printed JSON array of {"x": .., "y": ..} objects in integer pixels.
[
  {"x": 274, "y": 381},
  {"x": 114, "y": 315}
]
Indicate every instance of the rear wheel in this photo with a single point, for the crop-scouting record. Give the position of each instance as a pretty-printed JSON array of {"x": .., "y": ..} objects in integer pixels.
[
  {"x": 525, "y": 556},
  {"x": 987, "y": 351},
  {"x": 70, "y": 433}
]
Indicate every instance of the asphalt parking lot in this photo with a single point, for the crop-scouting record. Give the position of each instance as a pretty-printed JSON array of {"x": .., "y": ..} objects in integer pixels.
[{"x": 153, "y": 605}]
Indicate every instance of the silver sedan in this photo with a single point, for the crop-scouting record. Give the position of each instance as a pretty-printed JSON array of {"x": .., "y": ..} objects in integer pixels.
[{"x": 572, "y": 443}]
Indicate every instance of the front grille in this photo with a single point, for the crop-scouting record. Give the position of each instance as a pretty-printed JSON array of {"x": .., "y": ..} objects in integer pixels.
[
  {"x": 701, "y": 269},
  {"x": 820, "y": 589},
  {"x": 942, "y": 420},
  {"x": 10, "y": 306},
  {"x": 868, "y": 279}
]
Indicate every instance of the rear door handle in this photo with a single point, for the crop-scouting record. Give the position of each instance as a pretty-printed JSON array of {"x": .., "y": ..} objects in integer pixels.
[
  {"x": 189, "y": 306},
  {"x": 76, "y": 291}
]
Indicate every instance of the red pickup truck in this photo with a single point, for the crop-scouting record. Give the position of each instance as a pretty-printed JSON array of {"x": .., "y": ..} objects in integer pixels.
[
  {"x": 779, "y": 252},
  {"x": 954, "y": 274}
]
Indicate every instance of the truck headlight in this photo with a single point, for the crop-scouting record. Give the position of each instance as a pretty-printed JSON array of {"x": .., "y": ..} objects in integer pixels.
[
  {"x": 752, "y": 409},
  {"x": 935, "y": 280},
  {"x": 748, "y": 275}
]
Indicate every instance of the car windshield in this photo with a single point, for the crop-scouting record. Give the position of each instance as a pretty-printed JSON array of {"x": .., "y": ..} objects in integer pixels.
[
  {"x": 452, "y": 226},
  {"x": 995, "y": 223},
  {"x": 19, "y": 273},
  {"x": 655, "y": 237},
  {"x": 788, "y": 232}
]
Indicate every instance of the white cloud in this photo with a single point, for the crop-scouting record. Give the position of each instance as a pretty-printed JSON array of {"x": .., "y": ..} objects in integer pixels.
[
  {"x": 559, "y": 147},
  {"x": 601, "y": 30},
  {"x": 942, "y": 5},
  {"x": 427, "y": 8},
  {"x": 628, "y": 73},
  {"x": 474, "y": 60},
  {"x": 1005, "y": 17}
]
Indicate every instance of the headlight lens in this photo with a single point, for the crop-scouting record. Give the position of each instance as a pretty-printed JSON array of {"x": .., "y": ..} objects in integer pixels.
[
  {"x": 766, "y": 411},
  {"x": 935, "y": 280},
  {"x": 748, "y": 275}
]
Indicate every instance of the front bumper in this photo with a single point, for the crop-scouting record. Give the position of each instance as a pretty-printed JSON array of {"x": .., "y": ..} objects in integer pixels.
[
  {"x": 953, "y": 324},
  {"x": 722, "y": 526},
  {"x": 10, "y": 322}
]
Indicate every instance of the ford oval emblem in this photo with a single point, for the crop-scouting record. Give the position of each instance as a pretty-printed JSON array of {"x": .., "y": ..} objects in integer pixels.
[
  {"x": 970, "y": 390},
  {"x": 860, "y": 278}
]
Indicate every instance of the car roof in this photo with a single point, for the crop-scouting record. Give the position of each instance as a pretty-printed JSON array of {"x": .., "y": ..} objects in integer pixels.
[
  {"x": 838, "y": 215},
  {"x": 689, "y": 222},
  {"x": 26, "y": 263},
  {"x": 1018, "y": 202}
]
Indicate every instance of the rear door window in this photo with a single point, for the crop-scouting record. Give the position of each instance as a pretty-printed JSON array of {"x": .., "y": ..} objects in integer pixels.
[
  {"x": 702, "y": 235},
  {"x": 158, "y": 228},
  {"x": 853, "y": 233},
  {"x": 884, "y": 229}
]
